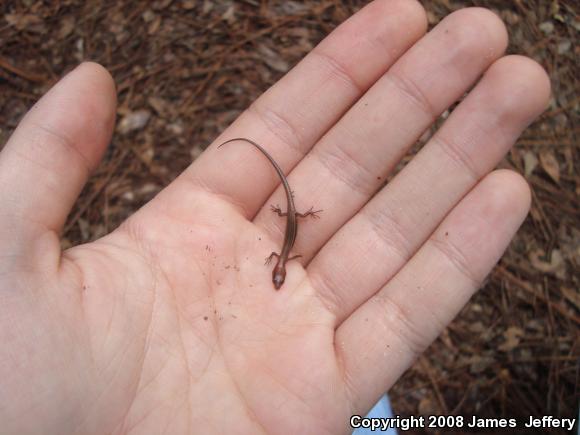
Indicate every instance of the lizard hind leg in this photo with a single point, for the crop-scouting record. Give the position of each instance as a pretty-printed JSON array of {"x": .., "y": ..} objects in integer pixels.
[
  {"x": 310, "y": 212},
  {"x": 269, "y": 258},
  {"x": 276, "y": 209}
]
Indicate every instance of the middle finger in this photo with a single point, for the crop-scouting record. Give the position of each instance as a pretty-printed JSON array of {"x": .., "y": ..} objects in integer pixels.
[{"x": 352, "y": 159}]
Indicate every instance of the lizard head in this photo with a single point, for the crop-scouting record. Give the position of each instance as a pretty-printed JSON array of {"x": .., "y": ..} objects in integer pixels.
[{"x": 278, "y": 276}]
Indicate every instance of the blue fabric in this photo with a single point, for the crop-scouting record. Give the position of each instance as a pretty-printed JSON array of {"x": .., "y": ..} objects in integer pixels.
[{"x": 381, "y": 409}]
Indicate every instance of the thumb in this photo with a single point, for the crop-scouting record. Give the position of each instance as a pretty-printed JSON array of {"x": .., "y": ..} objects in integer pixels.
[{"x": 48, "y": 159}]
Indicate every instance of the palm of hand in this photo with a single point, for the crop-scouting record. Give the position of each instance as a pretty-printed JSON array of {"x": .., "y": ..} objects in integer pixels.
[
  {"x": 165, "y": 322},
  {"x": 171, "y": 323}
]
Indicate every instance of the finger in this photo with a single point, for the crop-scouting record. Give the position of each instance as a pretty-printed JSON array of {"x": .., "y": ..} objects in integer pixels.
[
  {"x": 352, "y": 160},
  {"x": 376, "y": 243},
  {"x": 381, "y": 339},
  {"x": 46, "y": 162},
  {"x": 290, "y": 117}
]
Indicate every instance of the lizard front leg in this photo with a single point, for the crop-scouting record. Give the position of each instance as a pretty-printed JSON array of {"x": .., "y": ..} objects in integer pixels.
[{"x": 314, "y": 213}]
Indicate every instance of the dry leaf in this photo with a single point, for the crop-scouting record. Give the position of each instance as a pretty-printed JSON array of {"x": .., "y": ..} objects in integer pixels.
[
  {"x": 290, "y": 7},
  {"x": 477, "y": 327},
  {"x": 134, "y": 121},
  {"x": 479, "y": 364},
  {"x": 196, "y": 152},
  {"x": 530, "y": 163},
  {"x": 564, "y": 46},
  {"x": 99, "y": 231},
  {"x": 154, "y": 26},
  {"x": 79, "y": 49},
  {"x": 572, "y": 295},
  {"x": 22, "y": 22},
  {"x": 85, "y": 228},
  {"x": 547, "y": 27},
  {"x": 161, "y": 106},
  {"x": 512, "y": 339},
  {"x": 556, "y": 266},
  {"x": 207, "y": 7},
  {"x": 67, "y": 25},
  {"x": 65, "y": 243},
  {"x": 175, "y": 128},
  {"x": 229, "y": 15},
  {"x": 148, "y": 16},
  {"x": 188, "y": 4},
  {"x": 161, "y": 4},
  {"x": 432, "y": 18},
  {"x": 273, "y": 59},
  {"x": 427, "y": 405},
  {"x": 550, "y": 165}
]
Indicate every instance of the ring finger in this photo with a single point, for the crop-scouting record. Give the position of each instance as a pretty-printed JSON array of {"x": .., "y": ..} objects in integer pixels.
[
  {"x": 376, "y": 243},
  {"x": 351, "y": 161}
]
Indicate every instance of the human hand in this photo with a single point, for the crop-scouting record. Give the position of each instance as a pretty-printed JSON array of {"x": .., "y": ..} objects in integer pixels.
[{"x": 171, "y": 322}]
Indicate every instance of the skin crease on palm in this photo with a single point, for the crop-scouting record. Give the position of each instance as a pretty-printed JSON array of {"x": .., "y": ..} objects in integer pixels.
[{"x": 171, "y": 324}]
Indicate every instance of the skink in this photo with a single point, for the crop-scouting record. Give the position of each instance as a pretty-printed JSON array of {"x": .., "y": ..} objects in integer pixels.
[{"x": 279, "y": 271}]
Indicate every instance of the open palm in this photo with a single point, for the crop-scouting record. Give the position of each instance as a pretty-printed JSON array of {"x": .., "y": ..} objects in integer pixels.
[{"x": 171, "y": 324}]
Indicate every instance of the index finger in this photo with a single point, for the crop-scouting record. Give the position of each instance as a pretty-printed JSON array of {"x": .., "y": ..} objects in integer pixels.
[{"x": 291, "y": 116}]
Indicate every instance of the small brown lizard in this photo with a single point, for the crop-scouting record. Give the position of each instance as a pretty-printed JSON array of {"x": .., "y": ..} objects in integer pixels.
[{"x": 279, "y": 271}]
